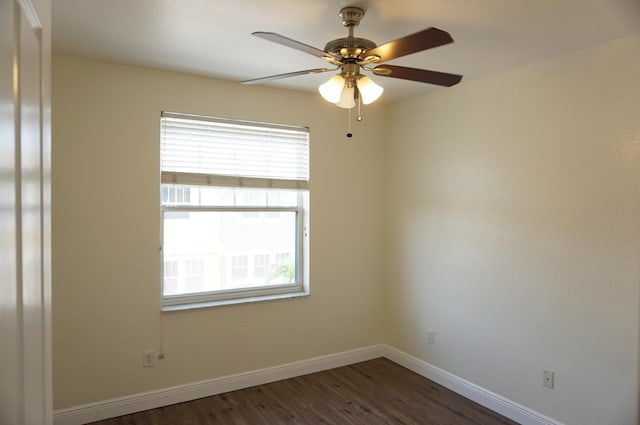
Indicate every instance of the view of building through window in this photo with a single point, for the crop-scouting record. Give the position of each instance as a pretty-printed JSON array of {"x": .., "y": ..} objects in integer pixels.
[{"x": 252, "y": 244}]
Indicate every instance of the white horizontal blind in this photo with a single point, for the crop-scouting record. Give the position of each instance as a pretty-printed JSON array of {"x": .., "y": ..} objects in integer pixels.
[{"x": 199, "y": 150}]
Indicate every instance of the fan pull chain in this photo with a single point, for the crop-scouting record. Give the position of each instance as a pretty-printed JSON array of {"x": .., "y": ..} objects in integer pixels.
[{"x": 358, "y": 117}]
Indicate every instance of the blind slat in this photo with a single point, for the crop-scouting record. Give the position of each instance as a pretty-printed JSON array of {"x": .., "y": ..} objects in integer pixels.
[{"x": 204, "y": 149}]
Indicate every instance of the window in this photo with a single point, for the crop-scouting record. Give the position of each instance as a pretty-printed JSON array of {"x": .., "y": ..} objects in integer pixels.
[
  {"x": 171, "y": 276},
  {"x": 194, "y": 273},
  {"x": 260, "y": 265},
  {"x": 239, "y": 267},
  {"x": 176, "y": 195},
  {"x": 234, "y": 201}
]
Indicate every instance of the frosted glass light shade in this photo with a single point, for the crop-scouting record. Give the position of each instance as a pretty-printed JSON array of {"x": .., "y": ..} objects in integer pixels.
[
  {"x": 369, "y": 90},
  {"x": 346, "y": 98},
  {"x": 332, "y": 89}
]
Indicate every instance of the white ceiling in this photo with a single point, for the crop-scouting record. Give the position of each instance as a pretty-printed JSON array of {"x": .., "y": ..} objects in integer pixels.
[{"x": 213, "y": 37}]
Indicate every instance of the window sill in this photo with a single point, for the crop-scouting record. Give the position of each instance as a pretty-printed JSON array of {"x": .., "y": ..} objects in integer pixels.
[{"x": 220, "y": 303}]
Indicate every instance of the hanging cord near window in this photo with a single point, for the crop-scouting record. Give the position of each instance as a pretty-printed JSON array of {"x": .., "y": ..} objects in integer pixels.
[{"x": 161, "y": 347}]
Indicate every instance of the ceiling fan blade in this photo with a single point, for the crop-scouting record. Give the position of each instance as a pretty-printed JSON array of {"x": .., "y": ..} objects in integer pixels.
[
  {"x": 288, "y": 74},
  {"x": 420, "y": 75},
  {"x": 417, "y": 42},
  {"x": 285, "y": 41}
]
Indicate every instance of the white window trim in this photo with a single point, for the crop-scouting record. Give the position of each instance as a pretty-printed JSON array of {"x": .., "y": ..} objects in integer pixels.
[{"x": 242, "y": 295}]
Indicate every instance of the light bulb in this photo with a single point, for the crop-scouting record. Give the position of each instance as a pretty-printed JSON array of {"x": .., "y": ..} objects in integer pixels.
[
  {"x": 369, "y": 90},
  {"x": 332, "y": 89},
  {"x": 346, "y": 98}
]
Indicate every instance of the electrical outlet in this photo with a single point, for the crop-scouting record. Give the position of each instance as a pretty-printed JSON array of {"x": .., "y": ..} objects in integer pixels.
[
  {"x": 148, "y": 358},
  {"x": 547, "y": 379},
  {"x": 431, "y": 336}
]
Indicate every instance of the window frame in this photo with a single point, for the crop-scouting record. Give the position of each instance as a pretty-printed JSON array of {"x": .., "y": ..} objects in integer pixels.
[{"x": 300, "y": 286}]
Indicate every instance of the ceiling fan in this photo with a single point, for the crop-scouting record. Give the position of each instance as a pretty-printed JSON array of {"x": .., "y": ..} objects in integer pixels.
[{"x": 352, "y": 54}]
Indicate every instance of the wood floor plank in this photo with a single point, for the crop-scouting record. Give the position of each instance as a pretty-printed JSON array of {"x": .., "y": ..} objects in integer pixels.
[{"x": 375, "y": 392}]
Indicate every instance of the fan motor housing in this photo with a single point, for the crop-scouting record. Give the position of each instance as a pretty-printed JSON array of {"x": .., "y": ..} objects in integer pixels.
[{"x": 349, "y": 47}]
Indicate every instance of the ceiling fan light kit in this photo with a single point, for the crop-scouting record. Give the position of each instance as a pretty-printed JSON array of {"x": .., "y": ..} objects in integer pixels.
[
  {"x": 350, "y": 55},
  {"x": 345, "y": 84},
  {"x": 369, "y": 90},
  {"x": 332, "y": 89},
  {"x": 347, "y": 98}
]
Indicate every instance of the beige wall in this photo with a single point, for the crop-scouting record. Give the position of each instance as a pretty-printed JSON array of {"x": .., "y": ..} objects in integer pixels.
[
  {"x": 513, "y": 208},
  {"x": 514, "y": 232},
  {"x": 106, "y": 264}
]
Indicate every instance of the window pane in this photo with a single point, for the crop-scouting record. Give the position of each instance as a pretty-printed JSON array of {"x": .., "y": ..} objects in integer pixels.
[{"x": 224, "y": 250}]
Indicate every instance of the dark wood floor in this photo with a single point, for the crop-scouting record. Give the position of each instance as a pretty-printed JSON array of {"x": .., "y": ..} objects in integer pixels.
[{"x": 376, "y": 392}]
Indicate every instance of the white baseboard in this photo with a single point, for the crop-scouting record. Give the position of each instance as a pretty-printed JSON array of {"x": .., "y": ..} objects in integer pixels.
[
  {"x": 512, "y": 410},
  {"x": 149, "y": 400}
]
